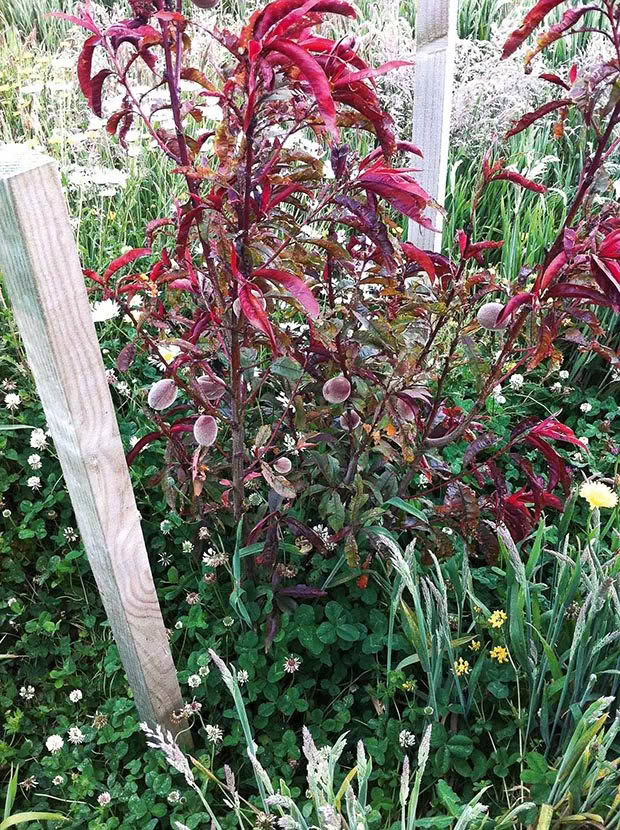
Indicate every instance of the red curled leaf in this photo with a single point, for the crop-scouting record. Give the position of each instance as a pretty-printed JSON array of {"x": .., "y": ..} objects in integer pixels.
[
  {"x": 96, "y": 83},
  {"x": 84, "y": 65},
  {"x": 554, "y": 79},
  {"x": 574, "y": 291},
  {"x": 512, "y": 305},
  {"x": 86, "y": 21},
  {"x": 126, "y": 357},
  {"x": 420, "y": 257},
  {"x": 255, "y": 314},
  {"x": 531, "y": 21},
  {"x": 352, "y": 77},
  {"x": 568, "y": 20},
  {"x": 142, "y": 443},
  {"x": 558, "y": 471},
  {"x": 607, "y": 275},
  {"x": 524, "y": 122},
  {"x": 283, "y": 194},
  {"x": 121, "y": 261},
  {"x": 610, "y": 246},
  {"x": 311, "y": 70},
  {"x": 517, "y": 178},
  {"x": 295, "y": 286},
  {"x": 552, "y": 428},
  {"x": 401, "y": 146},
  {"x": 114, "y": 120},
  {"x": 551, "y": 271},
  {"x": 275, "y": 12},
  {"x": 154, "y": 225}
]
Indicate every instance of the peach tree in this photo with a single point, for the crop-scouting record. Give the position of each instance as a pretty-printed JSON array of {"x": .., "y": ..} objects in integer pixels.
[{"x": 312, "y": 346}]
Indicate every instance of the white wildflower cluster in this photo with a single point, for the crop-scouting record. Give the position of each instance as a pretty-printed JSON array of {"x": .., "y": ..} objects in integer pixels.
[
  {"x": 323, "y": 533},
  {"x": 213, "y": 558},
  {"x": 187, "y": 546},
  {"x": 101, "y": 311},
  {"x": 215, "y": 733},
  {"x": 105, "y": 180},
  {"x": 34, "y": 461},
  {"x": 586, "y": 407},
  {"x": 497, "y": 395},
  {"x": 75, "y": 696},
  {"x": 27, "y": 692},
  {"x": 12, "y": 401},
  {"x": 406, "y": 738},
  {"x": 54, "y": 744},
  {"x": 34, "y": 482},
  {"x": 70, "y": 534},
  {"x": 38, "y": 440},
  {"x": 516, "y": 381},
  {"x": 75, "y": 735},
  {"x": 194, "y": 680}
]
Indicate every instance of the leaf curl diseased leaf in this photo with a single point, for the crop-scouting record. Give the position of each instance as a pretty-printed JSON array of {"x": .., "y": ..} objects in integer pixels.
[
  {"x": 569, "y": 19},
  {"x": 123, "y": 260},
  {"x": 295, "y": 286},
  {"x": 282, "y": 486},
  {"x": 315, "y": 76},
  {"x": 482, "y": 443},
  {"x": 250, "y": 302},
  {"x": 517, "y": 178},
  {"x": 535, "y": 16},
  {"x": 276, "y": 11}
]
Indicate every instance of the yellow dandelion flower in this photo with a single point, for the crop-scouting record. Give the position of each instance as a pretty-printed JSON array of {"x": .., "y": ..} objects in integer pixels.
[
  {"x": 500, "y": 654},
  {"x": 598, "y": 494},
  {"x": 497, "y": 619},
  {"x": 461, "y": 667},
  {"x": 475, "y": 645}
]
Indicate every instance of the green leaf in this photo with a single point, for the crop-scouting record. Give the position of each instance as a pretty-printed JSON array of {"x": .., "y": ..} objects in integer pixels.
[
  {"x": 498, "y": 689},
  {"x": 347, "y": 632},
  {"x": 407, "y": 507},
  {"x": 21, "y": 818},
  {"x": 288, "y": 368},
  {"x": 449, "y": 798}
]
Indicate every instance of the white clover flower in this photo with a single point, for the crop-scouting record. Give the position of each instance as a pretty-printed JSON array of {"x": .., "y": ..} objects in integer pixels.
[
  {"x": 586, "y": 407},
  {"x": 75, "y": 735},
  {"x": 35, "y": 461},
  {"x": 557, "y": 387},
  {"x": 214, "y": 733},
  {"x": 104, "y": 310},
  {"x": 194, "y": 680},
  {"x": 291, "y": 664},
  {"x": 188, "y": 547},
  {"x": 164, "y": 559},
  {"x": 12, "y": 401},
  {"x": 290, "y": 444},
  {"x": 516, "y": 381},
  {"x": 38, "y": 441},
  {"x": 203, "y": 671},
  {"x": 54, "y": 744},
  {"x": 214, "y": 559},
  {"x": 203, "y": 533},
  {"x": 27, "y": 692},
  {"x": 242, "y": 677},
  {"x": 173, "y": 797},
  {"x": 165, "y": 527},
  {"x": 563, "y": 374},
  {"x": 104, "y": 799},
  {"x": 75, "y": 696},
  {"x": 110, "y": 376},
  {"x": 57, "y": 780},
  {"x": 70, "y": 534},
  {"x": 34, "y": 482},
  {"x": 406, "y": 738},
  {"x": 6, "y": 513}
]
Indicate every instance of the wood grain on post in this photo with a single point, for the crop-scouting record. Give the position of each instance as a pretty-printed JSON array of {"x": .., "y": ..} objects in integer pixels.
[
  {"x": 435, "y": 35},
  {"x": 43, "y": 277}
]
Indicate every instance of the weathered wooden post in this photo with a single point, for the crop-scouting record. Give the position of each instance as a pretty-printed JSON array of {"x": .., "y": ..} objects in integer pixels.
[
  {"x": 435, "y": 35},
  {"x": 43, "y": 276}
]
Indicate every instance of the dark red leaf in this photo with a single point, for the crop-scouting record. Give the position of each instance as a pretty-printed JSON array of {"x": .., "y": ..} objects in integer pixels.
[
  {"x": 274, "y": 12},
  {"x": 301, "y": 592},
  {"x": 517, "y": 178},
  {"x": 531, "y": 21},
  {"x": 482, "y": 443},
  {"x": 283, "y": 194},
  {"x": 607, "y": 275},
  {"x": 295, "y": 286},
  {"x": 84, "y": 64},
  {"x": 568, "y": 20},
  {"x": 420, "y": 257},
  {"x": 114, "y": 120},
  {"x": 142, "y": 443},
  {"x": 94, "y": 99},
  {"x": 300, "y": 529},
  {"x": 610, "y": 246},
  {"x": 578, "y": 292},
  {"x": 123, "y": 260},
  {"x": 551, "y": 428},
  {"x": 311, "y": 70},
  {"x": 551, "y": 271},
  {"x": 352, "y": 77},
  {"x": 154, "y": 225},
  {"x": 255, "y": 314},
  {"x": 365, "y": 102},
  {"x": 401, "y": 192},
  {"x": 554, "y": 79},
  {"x": 531, "y": 117},
  {"x": 558, "y": 471},
  {"x": 512, "y": 305},
  {"x": 127, "y": 121},
  {"x": 126, "y": 357},
  {"x": 86, "y": 21}
]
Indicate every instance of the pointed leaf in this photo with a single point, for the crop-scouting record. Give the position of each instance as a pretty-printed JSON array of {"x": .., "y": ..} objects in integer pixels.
[
  {"x": 578, "y": 292},
  {"x": 274, "y": 12},
  {"x": 517, "y": 178},
  {"x": 96, "y": 83},
  {"x": 531, "y": 21},
  {"x": 524, "y": 122},
  {"x": 295, "y": 286},
  {"x": 255, "y": 314},
  {"x": 352, "y": 77},
  {"x": 512, "y": 305},
  {"x": 311, "y": 70},
  {"x": 123, "y": 260},
  {"x": 420, "y": 257}
]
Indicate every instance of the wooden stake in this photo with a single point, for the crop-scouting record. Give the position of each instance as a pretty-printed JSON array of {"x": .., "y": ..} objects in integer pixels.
[
  {"x": 435, "y": 35},
  {"x": 43, "y": 277}
]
